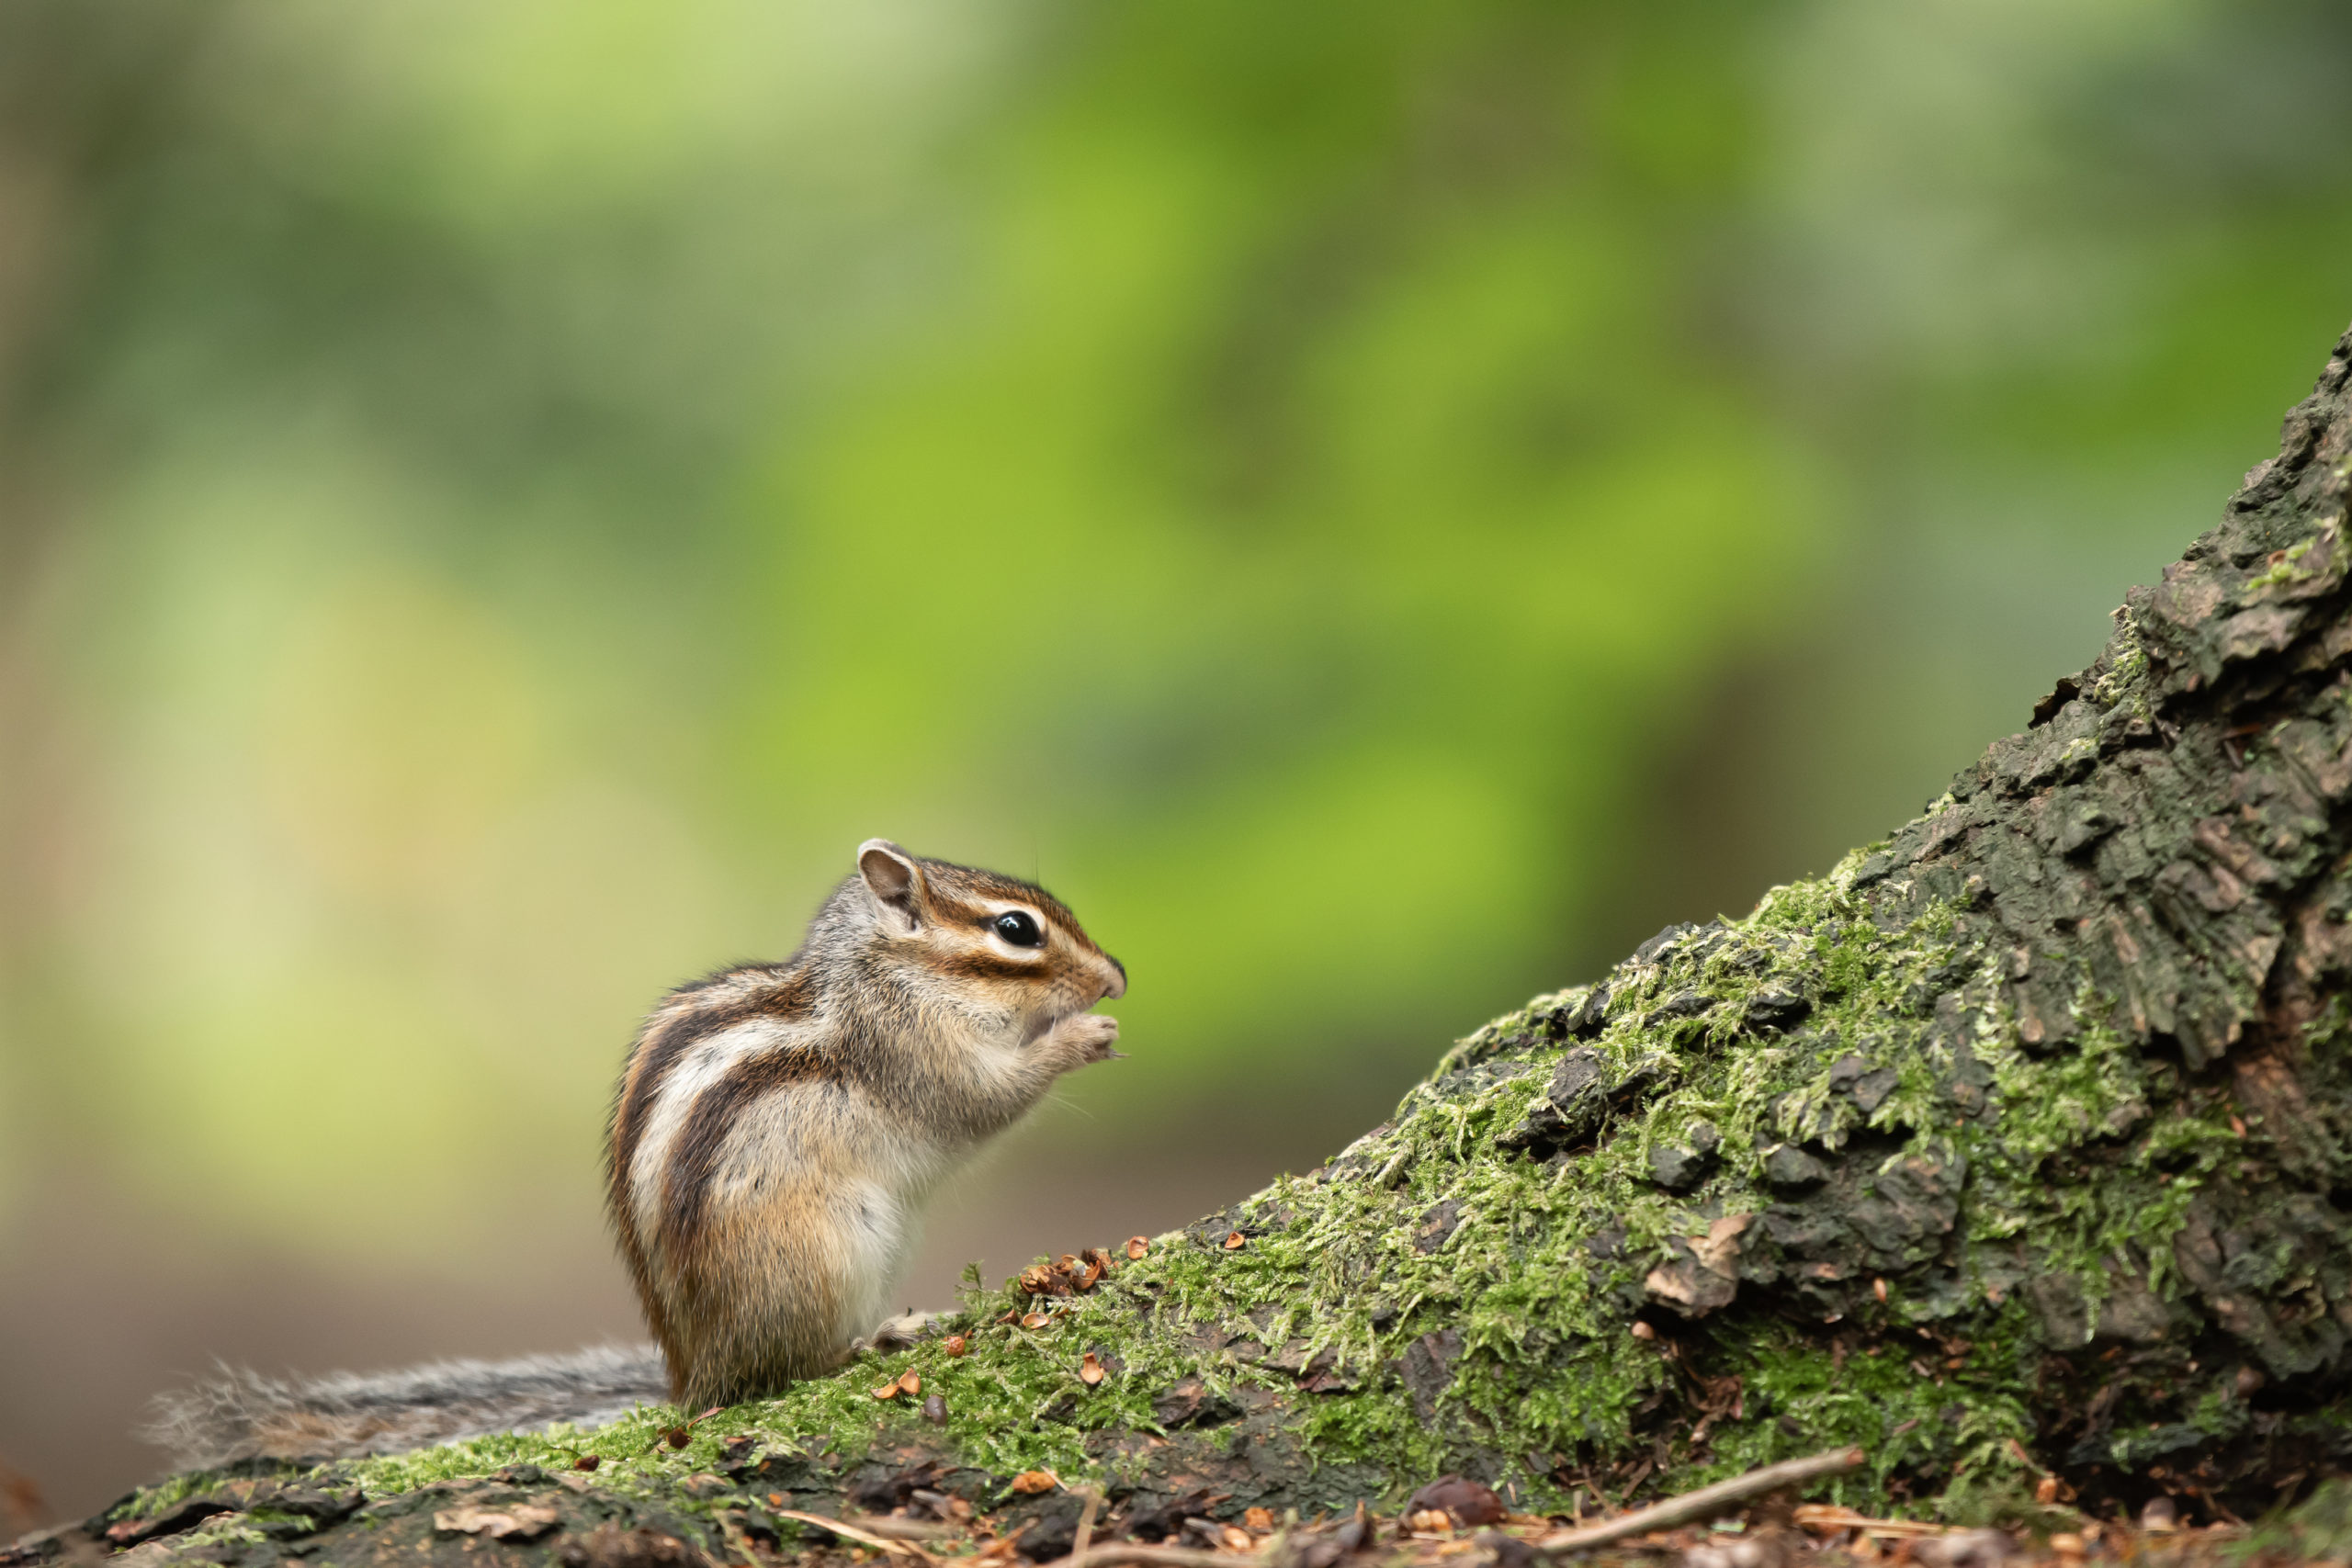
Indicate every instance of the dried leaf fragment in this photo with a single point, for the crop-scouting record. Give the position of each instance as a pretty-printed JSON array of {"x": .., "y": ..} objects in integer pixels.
[
  {"x": 1030, "y": 1483},
  {"x": 1461, "y": 1500},
  {"x": 524, "y": 1521},
  {"x": 1089, "y": 1370},
  {"x": 1136, "y": 1247}
]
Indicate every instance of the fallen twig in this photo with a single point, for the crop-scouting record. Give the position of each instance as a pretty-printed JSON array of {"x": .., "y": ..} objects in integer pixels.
[
  {"x": 1161, "y": 1556},
  {"x": 1827, "y": 1518},
  {"x": 1085, "y": 1536},
  {"x": 864, "y": 1538},
  {"x": 1692, "y": 1506},
  {"x": 898, "y": 1529}
]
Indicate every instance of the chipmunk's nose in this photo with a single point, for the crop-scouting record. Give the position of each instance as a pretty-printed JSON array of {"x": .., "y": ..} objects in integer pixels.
[{"x": 1118, "y": 985}]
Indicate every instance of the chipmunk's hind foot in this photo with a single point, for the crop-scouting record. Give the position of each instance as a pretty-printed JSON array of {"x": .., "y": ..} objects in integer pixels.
[{"x": 899, "y": 1333}]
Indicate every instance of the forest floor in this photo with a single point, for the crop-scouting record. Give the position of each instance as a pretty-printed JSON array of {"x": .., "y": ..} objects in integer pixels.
[{"x": 243, "y": 1523}]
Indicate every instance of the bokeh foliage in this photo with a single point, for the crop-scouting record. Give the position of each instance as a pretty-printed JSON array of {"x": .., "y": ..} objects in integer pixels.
[{"x": 1376, "y": 504}]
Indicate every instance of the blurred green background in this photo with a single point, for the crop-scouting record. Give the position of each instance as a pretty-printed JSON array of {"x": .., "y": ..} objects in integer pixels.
[{"x": 1380, "y": 506}]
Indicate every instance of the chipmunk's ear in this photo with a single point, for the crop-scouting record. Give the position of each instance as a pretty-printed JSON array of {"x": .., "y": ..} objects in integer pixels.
[{"x": 889, "y": 873}]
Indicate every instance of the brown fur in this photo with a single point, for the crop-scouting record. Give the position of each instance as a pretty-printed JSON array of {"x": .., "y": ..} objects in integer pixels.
[
  {"x": 692, "y": 1012},
  {"x": 778, "y": 1126},
  {"x": 694, "y": 1159}
]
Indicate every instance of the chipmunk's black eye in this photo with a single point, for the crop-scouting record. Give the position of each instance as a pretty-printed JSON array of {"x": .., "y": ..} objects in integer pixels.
[{"x": 1017, "y": 928}]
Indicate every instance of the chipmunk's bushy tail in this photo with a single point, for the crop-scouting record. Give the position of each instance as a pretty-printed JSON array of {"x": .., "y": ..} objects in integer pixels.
[{"x": 242, "y": 1414}]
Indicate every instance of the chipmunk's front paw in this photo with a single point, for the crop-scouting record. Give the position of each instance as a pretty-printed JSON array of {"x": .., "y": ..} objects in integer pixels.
[{"x": 1088, "y": 1038}]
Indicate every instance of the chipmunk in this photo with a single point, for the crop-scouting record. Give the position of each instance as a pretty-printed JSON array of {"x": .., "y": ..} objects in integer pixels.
[{"x": 776, "y": 1133}]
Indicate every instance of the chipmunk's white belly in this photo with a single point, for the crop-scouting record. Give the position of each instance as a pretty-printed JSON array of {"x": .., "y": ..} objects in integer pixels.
[
  {"x": 878, "y": 1233},
  {"x": 884, "y": 1220}
]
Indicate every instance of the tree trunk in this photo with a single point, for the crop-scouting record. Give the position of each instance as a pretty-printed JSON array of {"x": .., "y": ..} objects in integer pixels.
[{"x": 2018, "y": 1144}]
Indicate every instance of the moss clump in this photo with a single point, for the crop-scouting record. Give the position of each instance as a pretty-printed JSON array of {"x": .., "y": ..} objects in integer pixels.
[{"x": 1444, "y": 1295}]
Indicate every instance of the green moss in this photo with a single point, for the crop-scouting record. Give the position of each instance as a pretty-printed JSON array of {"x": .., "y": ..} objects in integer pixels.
[
  {"x": 222, "y": 1529},
  {"x": 1909, "y": 1412},
  {"x": 2123, "y": 681},
  {"x": 2287, "y": 568},
  {"x": 148, "y": 1501},
  {"x": 2317, "y": 1530},
  {"x": 2054, "y": 1106}
]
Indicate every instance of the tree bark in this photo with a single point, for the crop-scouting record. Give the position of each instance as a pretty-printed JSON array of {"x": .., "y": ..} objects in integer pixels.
[{"x": 2018, "y": 1144}]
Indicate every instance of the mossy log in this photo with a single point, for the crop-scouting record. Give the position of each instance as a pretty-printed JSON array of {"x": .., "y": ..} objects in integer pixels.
[{"x": 2018, "y": 1144}]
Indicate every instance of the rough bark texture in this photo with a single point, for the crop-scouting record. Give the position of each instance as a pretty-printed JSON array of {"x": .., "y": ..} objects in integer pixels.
[{"x": 2020, "y": 1143}]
